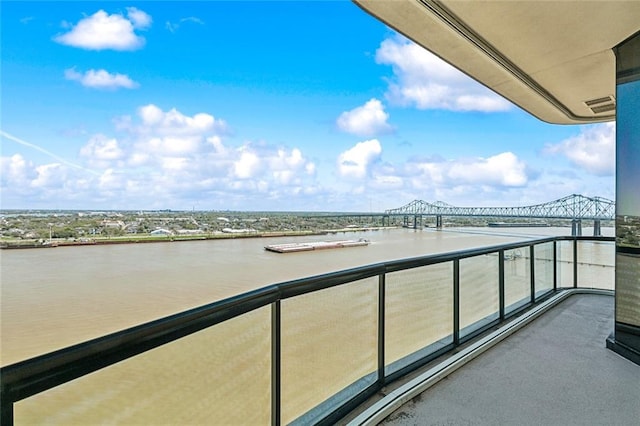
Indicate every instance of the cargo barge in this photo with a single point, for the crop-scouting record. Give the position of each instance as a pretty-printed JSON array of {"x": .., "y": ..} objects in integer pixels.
[
  {"x": 517, "y": 225},
  {"x": 318, "y": 245}
]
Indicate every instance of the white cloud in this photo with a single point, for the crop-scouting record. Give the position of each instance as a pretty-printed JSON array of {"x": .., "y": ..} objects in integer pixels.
[
  {"x": 593, "y": 150},
  {"x": 288, "y": 167},
  {"x": 247, "y": 165},
  {"x": 138, "y": 18},
  {"x": 42, "y": 150},
  {"x": 387, "y": 182},
  {"x": 173, "y": 26},
  {"x": 310, "y": 168},
  {"x": 103, "y": 31},
  {"x": 500, "y": 171},
  {"x": 459, "y": 181},
  {"x": 157, "y": 133},
  {"x": 49, "y": 175},
  {"x": 355, "y": 162},
  {"x": 173, "y": 122},
  {"x": 428, "y": 178},
  {"x": 164, "y": 157},
  {"x": 423, "y": 80},
  {"x": 247, "y": 174},
  {"x": 100, "y": 79},
  {"x": 367, "y": 120},
  {"x": 175, "y": 164},
  {"x": 101, "y": 151},
  {"x": 15, "y": 171},
  {"x": 26, "y": 178},
  {"x": 504, "y": 169},
  {"x": 110, "y": 180}
]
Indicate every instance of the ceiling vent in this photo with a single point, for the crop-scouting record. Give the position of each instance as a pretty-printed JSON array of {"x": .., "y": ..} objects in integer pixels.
[
  {"x": 603, "y": 108},
  {"x": 600, "y": 105}
]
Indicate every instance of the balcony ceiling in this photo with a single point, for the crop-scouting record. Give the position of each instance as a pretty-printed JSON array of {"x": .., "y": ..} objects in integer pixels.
[{"x": 548, "y": 57}]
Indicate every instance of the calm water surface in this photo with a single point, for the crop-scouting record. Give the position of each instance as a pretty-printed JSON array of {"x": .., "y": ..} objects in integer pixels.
[{"x": 57, "y": 297}]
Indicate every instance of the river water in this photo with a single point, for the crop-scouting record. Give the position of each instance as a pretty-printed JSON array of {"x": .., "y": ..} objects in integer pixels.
[{"x": 52, "y": 298}]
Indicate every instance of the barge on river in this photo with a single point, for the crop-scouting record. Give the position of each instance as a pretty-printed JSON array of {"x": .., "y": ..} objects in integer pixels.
[{"x": 318, "y": 245}]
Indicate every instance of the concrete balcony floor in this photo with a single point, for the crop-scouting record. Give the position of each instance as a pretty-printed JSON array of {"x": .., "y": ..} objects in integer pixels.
[{"x": 554, "y": 371}]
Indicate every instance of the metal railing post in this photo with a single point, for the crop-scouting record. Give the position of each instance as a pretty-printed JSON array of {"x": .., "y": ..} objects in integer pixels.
[
  {"x": 381, "y": 325},
  {"x": 276, "y": 363},
  {"x": 532, "y": 266},
  {"x": 501, "y": 282},
  {"x": 6, "y": 409},
  {"x": 456, "y": 302},
  {"x": 555, "y": 265},
  {"x": 575, "y": 263}
]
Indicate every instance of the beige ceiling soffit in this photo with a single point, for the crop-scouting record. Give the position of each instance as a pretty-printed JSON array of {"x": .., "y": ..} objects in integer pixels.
[{"x": 451, "y": 21}]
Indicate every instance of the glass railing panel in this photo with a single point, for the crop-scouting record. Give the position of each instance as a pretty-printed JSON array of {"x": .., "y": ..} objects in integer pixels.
[
  {"x": 517, "y": 278},
  {"x": 218, "y": 375},
  {"x": 543, "y": 265},
  {"x": 479, "y": 292},
  {"x": 564, "y": 260},
  {"x": 596, "y": 264},
  {"x": 329, "y": 344},
  {"x": 418, "y": 313}
]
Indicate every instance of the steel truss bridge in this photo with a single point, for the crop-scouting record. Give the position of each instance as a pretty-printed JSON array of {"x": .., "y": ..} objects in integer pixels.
[
  {"x": 574, "y": 207},
  {"x": 570, "y": 207}
]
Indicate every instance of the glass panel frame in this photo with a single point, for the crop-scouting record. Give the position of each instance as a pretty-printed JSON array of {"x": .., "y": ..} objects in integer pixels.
[
  {"x": 343, "y": 317},
  {"x": 564, "y": 262},
  {"x": 596, "y": 264},
  {"x": 479, "y": 292},
  {"x": 418, "y": 313},
  {"x": 222, "y": 372},
  {"x": 517, "y": 279},
  {"x": 544, "y": 268}
]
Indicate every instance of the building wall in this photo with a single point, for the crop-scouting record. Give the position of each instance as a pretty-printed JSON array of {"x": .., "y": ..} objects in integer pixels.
[{"x": 627, "y": 315}]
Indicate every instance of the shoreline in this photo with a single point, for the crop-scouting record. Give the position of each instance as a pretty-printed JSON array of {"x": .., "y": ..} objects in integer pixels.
[{"x": 36, "y": 244}]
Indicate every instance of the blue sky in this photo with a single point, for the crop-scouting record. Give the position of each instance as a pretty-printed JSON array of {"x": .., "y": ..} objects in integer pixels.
[{"x": 312, "y": 106}]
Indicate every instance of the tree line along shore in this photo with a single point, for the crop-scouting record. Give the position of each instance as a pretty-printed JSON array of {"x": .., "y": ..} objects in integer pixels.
[
  {"x": 30, "y": 229},
  {"x": 47, "y": 228}
]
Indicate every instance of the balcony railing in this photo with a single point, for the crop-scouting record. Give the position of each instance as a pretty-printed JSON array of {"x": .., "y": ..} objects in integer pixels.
[{"x": 304, "y": 352}]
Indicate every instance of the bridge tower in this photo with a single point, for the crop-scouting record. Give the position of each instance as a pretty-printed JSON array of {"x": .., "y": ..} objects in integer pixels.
[
  {"x": 576, "y": 227},
  {"x": 416, "y": 221},
  {"x": 597, "y": 231}
]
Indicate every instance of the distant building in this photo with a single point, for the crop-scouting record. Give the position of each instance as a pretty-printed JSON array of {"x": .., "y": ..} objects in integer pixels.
[
  {"x": 237, "y": 231},
  {"x": 161, "y": 232},
  {"x": 190, "y": 231},
  {"x": 112, "y": 224}
]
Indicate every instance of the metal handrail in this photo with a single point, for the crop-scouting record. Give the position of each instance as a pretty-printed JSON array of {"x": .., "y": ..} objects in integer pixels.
[{"x": 29, "y": 377}]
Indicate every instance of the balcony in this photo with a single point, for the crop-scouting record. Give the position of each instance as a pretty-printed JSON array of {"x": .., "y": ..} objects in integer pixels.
[
  {"x": 555, "y": 370},
  {"x": 312, "y": 351}
]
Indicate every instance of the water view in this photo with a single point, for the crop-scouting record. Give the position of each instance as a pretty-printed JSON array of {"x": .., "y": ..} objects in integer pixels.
[
  {"x": 52, "y": 298},
  {"x": 82, "y": 292}
]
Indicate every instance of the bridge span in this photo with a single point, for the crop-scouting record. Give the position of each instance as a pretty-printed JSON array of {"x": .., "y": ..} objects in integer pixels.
[{"x": 574, "y": 207}]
